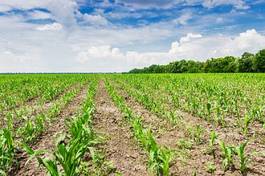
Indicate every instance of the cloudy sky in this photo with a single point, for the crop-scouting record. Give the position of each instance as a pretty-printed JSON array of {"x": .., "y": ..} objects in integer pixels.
[{"x": 118, "y": 35}]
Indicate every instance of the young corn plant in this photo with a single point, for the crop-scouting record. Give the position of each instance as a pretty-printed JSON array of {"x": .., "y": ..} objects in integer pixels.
[
  {"x": 7, "y": 149},
  {"x": 243, "y": 158},
  {"x": 213, "y": 137},
  {"x": 245, "y": 123},
  {"x": 69, "y": 155},
  {"x": 227, "y": 154},
  {"x": 219, "y": 117},
  {"x": 196, "y": 133},
  {"x": 210, "y": 167},
  {"x": 71, "y": 149},
  {"x": 27, "y": 131},
  {"x": 209, "y": 108}
]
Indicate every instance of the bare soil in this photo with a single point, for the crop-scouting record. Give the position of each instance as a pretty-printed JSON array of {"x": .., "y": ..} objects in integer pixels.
[
  {"x": 120, "y": 146},
  {"x": 47, "y": 140}
]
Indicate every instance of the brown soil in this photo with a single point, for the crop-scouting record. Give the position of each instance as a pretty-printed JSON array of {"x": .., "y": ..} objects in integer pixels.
[
  {"x": 47, "y": 139},
  {"x": 120, "y": 147},
  {"x": 187, "y": 162}
]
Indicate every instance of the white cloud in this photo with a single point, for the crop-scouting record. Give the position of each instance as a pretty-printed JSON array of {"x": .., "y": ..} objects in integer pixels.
[
  {"x": 148, "y": 3},
  {"x": 50, "y": 27},
  {"x": 66, "y": 46},
  {"x": 97, "y": 20},
  {"x": 99, "y": 52},
  {"x": 189, "y": 37},
  {"x": 191, "y": 46},
  {"x": 62, "y": 10},
  {"x": 217, "y": 46},
  {"x": 183, "y": 19},
  {"x": 238, "y": 4},
  {"x": 40, "y": 15},
  {"x": 4, "y": 8},
  {"x": 24, "y": 4}
]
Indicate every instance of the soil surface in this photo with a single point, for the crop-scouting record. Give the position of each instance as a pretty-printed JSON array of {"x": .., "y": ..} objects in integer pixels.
[
  {"x": 47, "y": 140},
  {"x": 120, "y": 146}
]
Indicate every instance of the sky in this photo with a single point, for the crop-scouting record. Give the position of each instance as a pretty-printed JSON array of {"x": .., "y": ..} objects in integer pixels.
[{"x": 119, "y": 35}]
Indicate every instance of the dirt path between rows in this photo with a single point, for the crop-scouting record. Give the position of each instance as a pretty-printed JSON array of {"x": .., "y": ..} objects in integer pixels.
[
  {"x": 120, "y": 147},
  {"x": 47, "y": 140}
]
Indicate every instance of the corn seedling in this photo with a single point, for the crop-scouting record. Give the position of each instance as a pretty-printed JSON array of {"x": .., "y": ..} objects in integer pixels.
[
  {"x": 184, "y": 144},
  {"x": 243, "y": 158},
  {"x": 213, "y": 137},
  {"x": 196, "y": 133},
  {"x": 245, "y": 123},
  {"x": 227, "y": 154},
  {"x": 210, "y": 167},
  {"x": 7, "y": 149}
]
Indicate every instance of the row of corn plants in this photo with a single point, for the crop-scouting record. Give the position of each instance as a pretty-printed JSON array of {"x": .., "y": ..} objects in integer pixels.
[
  {"x": 228, "y": 152},
  {"x": 11, "y": 138},
  {"x": 142, "y": 95},
  {"x": 204, "y": 96},
  {"x": 47, "y": 91},
  {"x": 159, "y": 157},
  {"x": 71, "y": 148},
  {"x": 19, "y": 90}
]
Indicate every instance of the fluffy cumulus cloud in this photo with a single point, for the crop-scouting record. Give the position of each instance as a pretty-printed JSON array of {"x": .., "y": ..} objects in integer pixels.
[
  {"x": 202, "y": 47},
  {"x": 50, "y": 27},
  {"x": 191, "y": 46},
  {"x": 63, "y": 10},
  {"x": 97, "y": 20},
  {"x": 239, "y": 4},
  {"x": 55, "y": 36}
]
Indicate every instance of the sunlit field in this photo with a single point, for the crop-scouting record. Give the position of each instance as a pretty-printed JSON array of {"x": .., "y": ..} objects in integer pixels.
[{"x": 122, "y": 124}]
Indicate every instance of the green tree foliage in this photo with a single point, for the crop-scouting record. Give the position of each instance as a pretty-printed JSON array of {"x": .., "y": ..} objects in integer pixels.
[
  {"x": 259, "y": 61},
  {"x": 248, "y": 62}
]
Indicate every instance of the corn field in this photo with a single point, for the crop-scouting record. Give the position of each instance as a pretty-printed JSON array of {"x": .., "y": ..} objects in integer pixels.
[{"x": 130, "y": 124}]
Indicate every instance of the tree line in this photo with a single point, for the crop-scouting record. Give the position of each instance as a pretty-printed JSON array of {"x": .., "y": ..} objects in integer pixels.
[{"x": 248, "y": 62}]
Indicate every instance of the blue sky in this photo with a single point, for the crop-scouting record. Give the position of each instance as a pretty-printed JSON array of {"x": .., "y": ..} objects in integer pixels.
[{"x": 118, "y": 35}]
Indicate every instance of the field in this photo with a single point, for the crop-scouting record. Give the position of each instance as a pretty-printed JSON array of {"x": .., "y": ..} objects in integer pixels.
[{"x": 132, "y": 124}]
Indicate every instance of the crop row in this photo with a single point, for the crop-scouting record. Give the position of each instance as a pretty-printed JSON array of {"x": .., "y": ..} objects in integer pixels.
[
  {"x": 152, "y": 99},
  {"x": 12, "y": 137},
  {"x": 79, "y": 141},
  {"x": 159, "y": 157},
  {"x": 220, "y": 102},
  {"x": 19, "y": 90}
]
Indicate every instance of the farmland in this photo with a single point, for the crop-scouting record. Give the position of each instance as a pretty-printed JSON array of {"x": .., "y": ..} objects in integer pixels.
[{"x": 132, "y": 124}]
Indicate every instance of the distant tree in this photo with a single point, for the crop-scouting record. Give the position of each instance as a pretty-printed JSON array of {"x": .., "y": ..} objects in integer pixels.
[
  {"x": 246, "y": 63},
  {"x": 219, "y": 65},
  {"x": 259, "y": 61}
]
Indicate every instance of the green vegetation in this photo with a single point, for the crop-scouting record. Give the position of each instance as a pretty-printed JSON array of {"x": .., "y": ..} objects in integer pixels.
[
  {"x": 229, "y": 64},
  {"x": 174, "y": 120}
]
